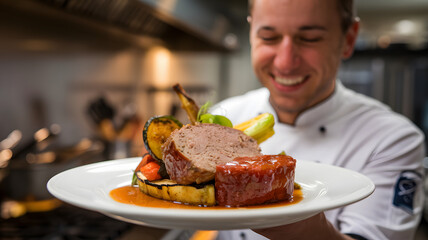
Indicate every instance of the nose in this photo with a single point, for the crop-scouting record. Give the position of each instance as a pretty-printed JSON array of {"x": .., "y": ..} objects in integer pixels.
[{"x": 287, "y": 57}]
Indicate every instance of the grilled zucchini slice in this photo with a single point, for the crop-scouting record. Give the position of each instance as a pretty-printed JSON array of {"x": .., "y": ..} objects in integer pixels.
[
  {"x": 156, "y": 131},
  {"x": 166, "y": 189}
]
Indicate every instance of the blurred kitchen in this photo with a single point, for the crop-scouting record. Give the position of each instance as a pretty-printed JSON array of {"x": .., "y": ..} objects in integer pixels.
[{"x": 78, "y": 79}]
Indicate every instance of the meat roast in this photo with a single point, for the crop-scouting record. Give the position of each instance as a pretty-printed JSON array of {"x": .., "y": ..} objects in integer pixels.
[
  {"x": 192, "y": 153},
  {"x": 255, "y": 180}
]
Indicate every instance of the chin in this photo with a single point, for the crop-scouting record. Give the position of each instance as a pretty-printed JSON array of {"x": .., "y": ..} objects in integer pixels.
[{"x": 283, "y": 104}]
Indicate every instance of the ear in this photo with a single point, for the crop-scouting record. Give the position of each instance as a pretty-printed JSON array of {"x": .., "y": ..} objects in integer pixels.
[{"x": 350, "y": 39}]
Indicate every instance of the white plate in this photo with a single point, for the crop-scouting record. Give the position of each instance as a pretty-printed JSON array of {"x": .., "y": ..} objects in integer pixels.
[{"x": 324, "y": 187}]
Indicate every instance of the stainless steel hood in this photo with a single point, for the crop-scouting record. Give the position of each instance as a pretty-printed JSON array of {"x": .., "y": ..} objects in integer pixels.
[{"x": 193, "y": 25}]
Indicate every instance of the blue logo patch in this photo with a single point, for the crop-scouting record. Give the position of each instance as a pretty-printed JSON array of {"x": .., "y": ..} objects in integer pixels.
[{"x": 405, "y": 190}]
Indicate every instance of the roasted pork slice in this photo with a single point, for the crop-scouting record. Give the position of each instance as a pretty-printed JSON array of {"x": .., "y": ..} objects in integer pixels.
[
  {"x": 255, "y": 180},
  {"x": 192, "y": 153}
]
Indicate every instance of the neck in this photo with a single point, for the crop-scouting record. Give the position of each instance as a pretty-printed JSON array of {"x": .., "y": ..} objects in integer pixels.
[{"x": 286, "y": 117}]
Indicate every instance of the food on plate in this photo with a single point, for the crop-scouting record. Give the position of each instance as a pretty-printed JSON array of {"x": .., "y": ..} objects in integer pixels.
[
  {"x": 210, "y": 162},
  {"x": 187, "y": 103},
  {"x": 149, "y": 168},
  {"x": 255, "y": 180},
  {"x": 259, "y": 127},
  {"x": 192, "y": 153},
  {"x": 156, "y": 131},
  {"x": 205, "y": 117},
  {"x": 167, "y": 189}
]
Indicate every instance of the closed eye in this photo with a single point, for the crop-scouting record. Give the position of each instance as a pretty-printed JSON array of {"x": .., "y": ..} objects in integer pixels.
[
  {"x": 269, "y": 39},
  {"x": 311, "y": 40},
  {"x": 268, "y": 34}
]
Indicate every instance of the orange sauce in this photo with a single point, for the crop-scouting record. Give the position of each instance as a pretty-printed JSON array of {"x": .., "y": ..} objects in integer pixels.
[{"x": 133, "y": 195}]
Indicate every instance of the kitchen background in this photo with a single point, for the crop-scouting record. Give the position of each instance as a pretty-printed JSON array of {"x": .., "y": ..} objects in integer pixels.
[{"x": 67, "y": 65}]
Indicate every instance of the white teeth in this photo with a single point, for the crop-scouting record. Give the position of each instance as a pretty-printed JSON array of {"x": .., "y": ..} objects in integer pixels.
[{"x": 289, "y": 81}]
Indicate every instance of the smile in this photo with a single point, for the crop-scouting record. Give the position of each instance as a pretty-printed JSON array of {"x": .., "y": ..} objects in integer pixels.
[{"x": 289, "y": 81}]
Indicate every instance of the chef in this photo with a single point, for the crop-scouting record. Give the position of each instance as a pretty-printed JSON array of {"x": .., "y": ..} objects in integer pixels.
[{"x": 296, "y": 49}]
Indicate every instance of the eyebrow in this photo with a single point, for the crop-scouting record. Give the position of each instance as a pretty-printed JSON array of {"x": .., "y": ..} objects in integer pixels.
[
  {"x": 302, "y": 28},
  {"x": 264, "y": 28},
  {"x": 312, "y": 27}
]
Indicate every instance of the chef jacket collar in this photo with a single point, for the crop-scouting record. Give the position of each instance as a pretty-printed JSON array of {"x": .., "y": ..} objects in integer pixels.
[{"x": 317, "y": 114}]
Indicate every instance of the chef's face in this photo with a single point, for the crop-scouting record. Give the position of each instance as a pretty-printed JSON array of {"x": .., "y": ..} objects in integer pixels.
[{"x": 296, "y": 48}]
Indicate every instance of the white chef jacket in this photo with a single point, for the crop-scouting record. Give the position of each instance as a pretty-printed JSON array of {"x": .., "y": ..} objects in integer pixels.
[{"x": 353, "y": 131}]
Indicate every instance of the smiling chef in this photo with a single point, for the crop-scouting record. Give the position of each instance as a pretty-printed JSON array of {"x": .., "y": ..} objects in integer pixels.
[{"x": 297, "y": 47}]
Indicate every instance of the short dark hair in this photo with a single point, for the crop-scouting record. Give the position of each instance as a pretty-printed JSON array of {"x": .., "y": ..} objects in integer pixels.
[
  {"x": 347, "y": 13},
  {"x": 345, "y": 7}
]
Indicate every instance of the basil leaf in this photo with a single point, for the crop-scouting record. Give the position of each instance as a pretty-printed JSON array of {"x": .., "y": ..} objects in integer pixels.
[
  {"x": 203, "y": 110},
  {"x": 217, "y": 119},
  {"x": 222, "y": 120}
]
